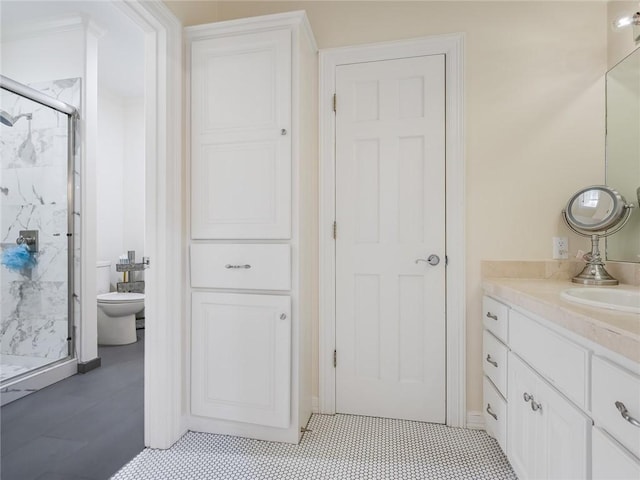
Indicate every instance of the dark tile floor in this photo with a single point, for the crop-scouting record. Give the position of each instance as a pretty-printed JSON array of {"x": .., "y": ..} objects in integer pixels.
[{"x": 85, "y": 427}]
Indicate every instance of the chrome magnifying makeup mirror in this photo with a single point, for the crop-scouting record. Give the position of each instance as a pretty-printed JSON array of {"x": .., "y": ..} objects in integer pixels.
[{"x": 596, "y": 211}]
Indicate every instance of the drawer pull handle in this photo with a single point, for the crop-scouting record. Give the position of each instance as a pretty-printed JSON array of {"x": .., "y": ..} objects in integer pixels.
[
  {"x": 237, "y": 266},
  {"x": 492, "y": 316},
  {"x": 490, "y": 412},
  {"x": 535, "y": 406},
  {"x": 527, "y": 397},
  {"x": 491, "y": 361},
  {"x": 625, "y": 414}
]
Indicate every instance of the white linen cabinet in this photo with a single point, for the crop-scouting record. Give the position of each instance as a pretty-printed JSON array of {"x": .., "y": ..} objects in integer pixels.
[{"x": 253, "y": 222}]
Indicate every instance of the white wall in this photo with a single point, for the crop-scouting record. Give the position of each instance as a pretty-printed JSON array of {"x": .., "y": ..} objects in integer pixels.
[
  {"x": 120, "y": 178},
  {"x": 133, "y": 176}
]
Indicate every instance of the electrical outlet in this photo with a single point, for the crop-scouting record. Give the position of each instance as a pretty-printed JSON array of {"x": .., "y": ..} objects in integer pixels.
[{"x": 560, "y": 248}]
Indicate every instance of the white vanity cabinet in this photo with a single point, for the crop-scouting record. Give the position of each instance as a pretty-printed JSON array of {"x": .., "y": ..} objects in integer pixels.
[
  {"x": 571, "y": 403},
  {"x": 253, "y": 222}
]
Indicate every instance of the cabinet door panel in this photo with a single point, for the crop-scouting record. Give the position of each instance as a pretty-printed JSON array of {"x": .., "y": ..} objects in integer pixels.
[
  {"x": 241, "y": 357},
  {"x": 523, "y": 427},
  {"x": 565, "y": 437},
  {"x": 240, "y": 137}
]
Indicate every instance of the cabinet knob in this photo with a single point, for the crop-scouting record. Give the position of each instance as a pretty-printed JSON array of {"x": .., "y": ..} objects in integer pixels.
[
  {"x": 527, "y": 397},
  {"x": 283, "y": 131},
  {"x": 283, "y": 316},
  {"x": 492, "y": 316},
  {"x": 535, "y": 406}
]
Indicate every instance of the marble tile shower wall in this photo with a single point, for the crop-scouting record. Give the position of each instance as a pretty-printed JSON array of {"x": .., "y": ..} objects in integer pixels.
[{"x": 33, "y": 196}]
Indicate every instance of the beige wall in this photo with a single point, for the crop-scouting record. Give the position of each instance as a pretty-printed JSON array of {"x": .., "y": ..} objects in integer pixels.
[
  {"x": 534, "y": 98},
  {"x": 619, "y": 41}
]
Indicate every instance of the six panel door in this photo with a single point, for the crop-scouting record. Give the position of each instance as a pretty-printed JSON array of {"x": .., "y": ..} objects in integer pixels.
[
  {"x": 390, "y": 213},
  {"x": 241, "y": 357},
  {"x": 241, "y": 137}
]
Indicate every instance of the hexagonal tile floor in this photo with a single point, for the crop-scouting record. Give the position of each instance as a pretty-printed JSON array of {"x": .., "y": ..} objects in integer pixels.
[{"x": 337, "y": 447}]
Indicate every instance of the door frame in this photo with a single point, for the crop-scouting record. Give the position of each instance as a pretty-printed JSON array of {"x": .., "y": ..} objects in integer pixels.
[
  {"x": 452, "y": 46},
  {"x": 163, "y": 385}
]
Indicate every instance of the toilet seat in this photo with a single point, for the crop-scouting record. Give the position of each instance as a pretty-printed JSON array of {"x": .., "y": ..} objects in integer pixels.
[{"x": 115, "y": 297}]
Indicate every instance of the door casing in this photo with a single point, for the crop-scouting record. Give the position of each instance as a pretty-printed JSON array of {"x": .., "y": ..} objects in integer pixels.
[{"x": 452, "y": 46}]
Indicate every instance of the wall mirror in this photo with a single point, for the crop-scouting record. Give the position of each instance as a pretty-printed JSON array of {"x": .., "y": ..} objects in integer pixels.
[{"x": 623, "y": 151}]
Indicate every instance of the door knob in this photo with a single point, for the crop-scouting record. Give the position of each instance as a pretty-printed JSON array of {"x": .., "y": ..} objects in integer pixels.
[{"x": 432, "y": 260}]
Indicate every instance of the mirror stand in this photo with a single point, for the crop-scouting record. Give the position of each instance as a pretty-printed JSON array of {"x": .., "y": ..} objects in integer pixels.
[{"x": 594, "y": 272}]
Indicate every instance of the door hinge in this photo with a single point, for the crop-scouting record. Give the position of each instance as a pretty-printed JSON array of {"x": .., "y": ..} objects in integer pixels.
[
  {"x": 334, "y": 102},
  {"x": 446, "y": 261},
  {"x": 335, "y": 230},
  {"x": 335, "y": 358}
]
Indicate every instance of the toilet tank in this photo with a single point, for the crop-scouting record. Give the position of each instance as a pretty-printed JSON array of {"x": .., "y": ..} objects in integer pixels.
[{"x": 103, "y": 276}]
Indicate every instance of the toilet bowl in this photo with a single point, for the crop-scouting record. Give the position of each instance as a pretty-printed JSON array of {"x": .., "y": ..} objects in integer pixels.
[
  {"x": 116, "y": 311},
  {"x": 117, "y": 317}
]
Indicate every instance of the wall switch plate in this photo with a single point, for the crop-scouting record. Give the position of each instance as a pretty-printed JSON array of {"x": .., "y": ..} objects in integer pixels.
[{"x": 560, "y": 248}]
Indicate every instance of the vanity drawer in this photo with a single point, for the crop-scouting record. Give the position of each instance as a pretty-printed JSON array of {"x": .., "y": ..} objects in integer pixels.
[
  {"x": 610, "y": 461},
  {"x": 494, "y": 361},
  {"x": 495, "y": 316},
  {"x": 611, "y": 384},
  {"x": 243, "y": 266},
  {"x": 560, "y": 361},
  {"x": 495, "y": 414}
]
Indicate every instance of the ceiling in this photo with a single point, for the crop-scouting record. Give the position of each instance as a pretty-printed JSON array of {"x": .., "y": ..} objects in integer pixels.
[{"x": 120, "y": 49}]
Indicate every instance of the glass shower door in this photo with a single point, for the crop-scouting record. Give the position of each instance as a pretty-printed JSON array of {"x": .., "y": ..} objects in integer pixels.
[{"x": 36, "y": 227}]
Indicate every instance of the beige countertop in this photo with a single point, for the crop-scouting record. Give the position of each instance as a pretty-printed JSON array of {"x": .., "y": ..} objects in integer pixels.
[{"x": 617, "y": 331}]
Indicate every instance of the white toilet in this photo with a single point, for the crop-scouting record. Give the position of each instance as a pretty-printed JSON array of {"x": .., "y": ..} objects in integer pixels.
[{"x": 116, "y": 311}]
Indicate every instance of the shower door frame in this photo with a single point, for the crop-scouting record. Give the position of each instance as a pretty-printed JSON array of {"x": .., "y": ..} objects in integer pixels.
[{"x": 67, "y": 366}]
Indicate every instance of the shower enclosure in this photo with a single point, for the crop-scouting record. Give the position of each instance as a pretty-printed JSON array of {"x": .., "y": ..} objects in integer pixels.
[{"x": 39, "y": 215}]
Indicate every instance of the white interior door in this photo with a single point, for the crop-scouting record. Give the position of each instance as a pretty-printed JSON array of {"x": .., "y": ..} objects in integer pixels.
[{"x": 390, "y": 213}]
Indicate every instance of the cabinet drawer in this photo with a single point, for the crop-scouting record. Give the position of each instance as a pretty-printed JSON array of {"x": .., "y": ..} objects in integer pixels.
[
  {"x": 609, "y": 461},
  {"x": 495, "y": 316},
  {"x": 611, "y": 384},
  {"x": 560, "y": 361},
  {"x": 495, "y": 414},
  {"x": 259, "y": 267},
  {"x": 494, "y": 361}
]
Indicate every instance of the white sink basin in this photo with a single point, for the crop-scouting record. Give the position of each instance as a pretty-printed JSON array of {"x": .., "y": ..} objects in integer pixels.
[{"x": 622, "y": 300}]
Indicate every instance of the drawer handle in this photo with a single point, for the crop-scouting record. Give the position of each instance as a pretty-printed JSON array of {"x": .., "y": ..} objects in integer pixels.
[
  {"x": 490, "y": 412},
  {"x": 535, "y": 406},
  {"x": 491, "y": 361},
  {"x": 527, "y": 397},
  {"x": 237, "y": 266},
  {"x": 492, "y": 316},
  {"x": 625, "y": 414}
]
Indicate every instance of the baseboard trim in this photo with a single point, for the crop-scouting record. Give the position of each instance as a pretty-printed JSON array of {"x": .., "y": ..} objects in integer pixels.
[
  {"x": 84, "y": 367},
  {"x": 475, "y": 421}
]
